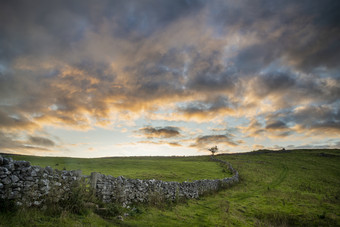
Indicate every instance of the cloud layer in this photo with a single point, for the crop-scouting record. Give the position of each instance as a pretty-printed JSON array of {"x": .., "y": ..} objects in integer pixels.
[{"x": 269, "y": 69}]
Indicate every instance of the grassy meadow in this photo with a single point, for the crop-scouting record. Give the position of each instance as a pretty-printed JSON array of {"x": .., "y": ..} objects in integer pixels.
[
  {"x": 161, "y": 168},
  {"x": 295, "y": 188}
]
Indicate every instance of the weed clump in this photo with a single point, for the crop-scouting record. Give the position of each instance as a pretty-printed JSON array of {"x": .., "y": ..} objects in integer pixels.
[{"x": 74, "y": 201}]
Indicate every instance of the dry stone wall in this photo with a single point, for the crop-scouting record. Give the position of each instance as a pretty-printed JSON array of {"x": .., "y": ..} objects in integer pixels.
[
  {"x": 126, "y": 191},
  {"x": 30, "y": 185}
]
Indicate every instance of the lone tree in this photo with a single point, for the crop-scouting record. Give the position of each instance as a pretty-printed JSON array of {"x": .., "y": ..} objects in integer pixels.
[{"x": 213, "y": 150}]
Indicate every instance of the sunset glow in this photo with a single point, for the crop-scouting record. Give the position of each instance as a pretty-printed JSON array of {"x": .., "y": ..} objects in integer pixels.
[{"x": 131, "y": 78}]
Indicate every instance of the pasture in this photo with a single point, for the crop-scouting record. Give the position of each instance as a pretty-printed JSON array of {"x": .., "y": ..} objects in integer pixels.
[{"x": 292, "y": 188}]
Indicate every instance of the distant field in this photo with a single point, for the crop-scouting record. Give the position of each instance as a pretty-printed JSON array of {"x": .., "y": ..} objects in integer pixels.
[
  {"x": 161, "y": 168},
  {"x": 297, "y": 188}
]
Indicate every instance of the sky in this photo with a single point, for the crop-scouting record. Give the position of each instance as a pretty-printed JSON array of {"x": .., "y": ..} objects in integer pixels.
[{"x": 85, "y": 78}]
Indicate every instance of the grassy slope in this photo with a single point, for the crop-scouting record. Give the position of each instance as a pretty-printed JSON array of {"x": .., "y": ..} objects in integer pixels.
[
  {"x": 278, "y": 189},
  {"x": 296, "y": 188},
  {"x": 161, "y": 168}
]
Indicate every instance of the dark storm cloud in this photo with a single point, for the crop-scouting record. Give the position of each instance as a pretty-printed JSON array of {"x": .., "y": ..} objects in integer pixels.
[
  {"x": 158, "y": 75},
  {"x": 254, "y": 58},
  {"x": 37, "y": 140},
  {"x": 44, "y": 25},
  {"x": 40, "y": 27},
  {"x": 169, "y": 75},
  {"x": 274, "y": 82},
  {"x": 209, "y": 74},
  {"x": 50, "y": 26},
  {"x": 208, "y": 106},
  {"x": 318, "y": 120},
  {"x": 290, "y": 89},
  {"x": 305, "y": 31},
  {"x": 146, "y": 17},
  {"x": 325, "y": 118},
  {"x": 320, "y": 46},
  {"x": 160, "y": 132},
  {"x": 276, "y": 125}
]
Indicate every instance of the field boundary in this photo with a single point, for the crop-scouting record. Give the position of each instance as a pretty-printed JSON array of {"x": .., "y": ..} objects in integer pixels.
[{"x": 30, "y": 185}]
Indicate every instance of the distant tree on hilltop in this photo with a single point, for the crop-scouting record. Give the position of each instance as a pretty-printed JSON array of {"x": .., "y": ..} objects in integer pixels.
[{"x": 213, "y": 150}]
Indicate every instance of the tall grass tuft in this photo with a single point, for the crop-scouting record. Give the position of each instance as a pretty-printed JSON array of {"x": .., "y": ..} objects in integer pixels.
[{"x": 73, "y": 201}]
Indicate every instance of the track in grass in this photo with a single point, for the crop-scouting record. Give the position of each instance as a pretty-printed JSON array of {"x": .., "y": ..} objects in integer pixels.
[{"x": 280, "y": 178}]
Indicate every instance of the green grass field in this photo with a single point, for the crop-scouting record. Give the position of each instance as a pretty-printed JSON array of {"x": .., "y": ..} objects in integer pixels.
[
  {"x": 297, "y": 188},
  {"x": 161, "y": 168}
]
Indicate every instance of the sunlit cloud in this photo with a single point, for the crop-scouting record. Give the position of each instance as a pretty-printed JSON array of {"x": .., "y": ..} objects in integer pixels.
[{"x": 168, "y": 74}]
